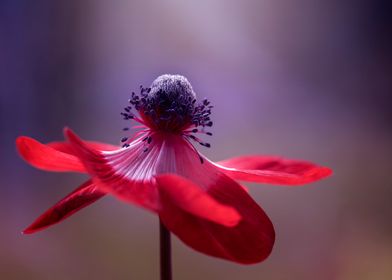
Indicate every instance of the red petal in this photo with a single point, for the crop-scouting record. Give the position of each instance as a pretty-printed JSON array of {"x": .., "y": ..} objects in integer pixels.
[
  {"x": 66, "y": 147},
  {"x": 110, "y": 171},
  {"x": 273, "y": 170},
  {"x": 192, "y": 199},
  {"x": 75, "y": 201},
  {"x": 251, "y": 241},
  {"x": 47, "y": 158}
]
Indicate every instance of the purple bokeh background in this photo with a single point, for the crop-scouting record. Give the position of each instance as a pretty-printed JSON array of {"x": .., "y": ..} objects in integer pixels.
[{"x": 301, "y": 79}]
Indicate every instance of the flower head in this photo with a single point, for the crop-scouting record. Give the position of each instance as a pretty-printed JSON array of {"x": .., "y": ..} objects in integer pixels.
[
  {"x": 169, "y": 106},
  {"x": 160, "y": 170}
]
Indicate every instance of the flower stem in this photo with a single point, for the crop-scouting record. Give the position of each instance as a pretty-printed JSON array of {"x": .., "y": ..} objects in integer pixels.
[{"x": 165, "y": 251}]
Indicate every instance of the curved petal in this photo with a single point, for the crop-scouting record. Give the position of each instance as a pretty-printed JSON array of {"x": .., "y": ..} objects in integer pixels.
[
  {"x": 55, "y": 156},
  {"x": 272, "y": 170},
  {"x": 66, "y": 147},
  {"x": 192, "y": 199},
  {"x": 126, "y": 173},
  {"x": 250, "y": 241},
  {"x": 47, "y": 158},
  {"x": 69, "y": 205}
]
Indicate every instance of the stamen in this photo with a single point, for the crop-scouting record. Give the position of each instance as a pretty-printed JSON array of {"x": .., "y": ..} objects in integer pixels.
[
  {"x": 169, "y": 105},
  {"x": 196, "y": 151},
  {"x": 205, "y": 144},
  {"x": 198, "y": 131},
  {"x": 147, "y": 141}
]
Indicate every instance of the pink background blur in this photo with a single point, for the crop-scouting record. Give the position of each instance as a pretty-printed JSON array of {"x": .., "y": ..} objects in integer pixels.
[{"x": 302, "y": 79}]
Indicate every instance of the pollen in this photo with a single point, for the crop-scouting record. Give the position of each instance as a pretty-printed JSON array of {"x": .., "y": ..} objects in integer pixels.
[
  {"x": 173, "y": 86},
  {"x": 170, "y": 103}
]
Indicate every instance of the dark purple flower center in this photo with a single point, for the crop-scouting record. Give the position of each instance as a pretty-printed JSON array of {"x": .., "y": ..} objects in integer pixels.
[{"x": 169, "y": 105}]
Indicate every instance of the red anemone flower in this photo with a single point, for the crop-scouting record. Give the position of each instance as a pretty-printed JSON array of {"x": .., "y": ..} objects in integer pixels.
[{"x": 159, "y": 169}]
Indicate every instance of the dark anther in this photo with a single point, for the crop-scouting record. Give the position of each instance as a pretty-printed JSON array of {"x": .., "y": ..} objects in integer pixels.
[
  {"x": 201, "y": 159},
  {"x": 145, "y": 150},
  {"x": 169, "y": 105},
  {"x": 126, "y": 128},
  {"x": 208, "y": 145},
  {"x": 124, "y": 139}
]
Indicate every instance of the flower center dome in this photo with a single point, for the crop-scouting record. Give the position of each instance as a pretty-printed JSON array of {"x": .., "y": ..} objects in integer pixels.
[
  {"x": 173, "y": 87},
  {"x": 170, "y": 103}
]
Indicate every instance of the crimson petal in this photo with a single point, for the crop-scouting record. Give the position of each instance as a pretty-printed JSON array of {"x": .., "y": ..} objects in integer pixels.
[
  {"x": 66, "y": 147},
  {"x": 251, "y": 241},
  {"x": 69, "y": 205},
  {"x": 272, "y": 170},
  {"x": 191, "y": 198},
  {"x": 47, "y": 158},
  {"x": 110, "y": 169}
]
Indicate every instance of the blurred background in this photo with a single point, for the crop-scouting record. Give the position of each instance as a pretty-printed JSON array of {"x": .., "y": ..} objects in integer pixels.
[{"x": 302, "y": 79}]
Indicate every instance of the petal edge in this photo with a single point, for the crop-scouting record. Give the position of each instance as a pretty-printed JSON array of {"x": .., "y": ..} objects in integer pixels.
[
  {"x": 273, "y": 170},
  {"x": 83, "y": 196}
]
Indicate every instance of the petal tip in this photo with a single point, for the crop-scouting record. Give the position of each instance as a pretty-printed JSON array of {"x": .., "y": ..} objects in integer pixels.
[
  {"x": 70, "y": 135},
  {"x": 75, "y": 141},
  {"x": 22, "y": 144},
  {"x": 29, "y": 230},
  {"x": 68, "y": 132},
  {"x": 20, "y": 140},
  {"x": 328, "y": 171},
  {"x": 26, "y": 147},
  {"x": 320, "y": 173}
]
